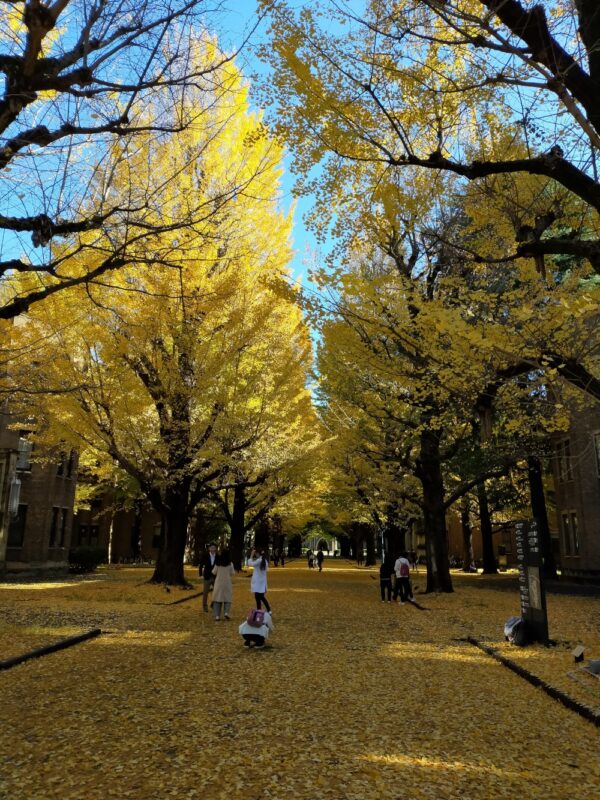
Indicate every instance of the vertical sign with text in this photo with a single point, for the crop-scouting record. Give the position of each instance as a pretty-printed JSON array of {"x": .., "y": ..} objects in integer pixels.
[{"x": 531, "y": 580}]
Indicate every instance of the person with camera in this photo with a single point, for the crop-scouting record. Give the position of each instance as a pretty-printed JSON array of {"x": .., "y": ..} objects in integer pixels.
[{"x": 260, "y": 566}]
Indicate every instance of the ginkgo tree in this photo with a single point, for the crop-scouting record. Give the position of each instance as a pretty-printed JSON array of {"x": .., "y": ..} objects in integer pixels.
[
  {"x": 168, "y": 370},
  {"x": 81, "y": 81},
  {"x": 424, "y": 83}
]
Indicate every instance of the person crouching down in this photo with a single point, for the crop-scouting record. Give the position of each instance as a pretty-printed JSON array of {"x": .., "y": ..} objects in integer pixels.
[{"x": 256, "y": 628}]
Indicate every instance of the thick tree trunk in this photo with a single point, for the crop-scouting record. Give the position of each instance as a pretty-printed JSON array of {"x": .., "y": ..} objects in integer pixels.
[
  {"x": 395, "y": 539},
  {"x": 467, "y": 536},
  {"x": 345, "y": 547},
  {"x": 238, "y": 527},
  {"x": 490, "y": 567},
  {"x": 262, "y": 536},
  {"x": 169, "y": 564},
  {"x": 429, "y": 471},
  {"x": 538, "y": 507},
  {"x": 371, "y": 558}
]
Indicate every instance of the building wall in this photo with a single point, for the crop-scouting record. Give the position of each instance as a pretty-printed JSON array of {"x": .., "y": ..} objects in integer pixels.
[
  {"x": 576, "y": 468},
  {"x": 504, "y": 539},
  {"x": 45, "y": 518},
  {"x": 133, "y": 535}
]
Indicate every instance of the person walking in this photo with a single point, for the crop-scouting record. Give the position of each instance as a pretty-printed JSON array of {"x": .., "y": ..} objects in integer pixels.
[
  {"x": 258, "y": 584},
  {"x": 320, "y": 557},
  {"x": 223, "y": 587},
  {"x": 403, "y": 587},
  {"x": 310, "y": 558},
  {"x": 386, "y": 570},
  {"x": 207, "y": 564}
]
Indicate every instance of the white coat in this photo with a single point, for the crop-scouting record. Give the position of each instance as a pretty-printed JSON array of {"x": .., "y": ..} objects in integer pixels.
[
  {"x": 259, "y": 576},
  {"x": 262, "y": 631}
]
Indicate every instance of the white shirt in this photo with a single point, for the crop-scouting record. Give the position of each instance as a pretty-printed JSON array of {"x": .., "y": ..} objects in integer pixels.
[
  {"x": 397, "y": 565},
  {"x": 259, "y": 576}
]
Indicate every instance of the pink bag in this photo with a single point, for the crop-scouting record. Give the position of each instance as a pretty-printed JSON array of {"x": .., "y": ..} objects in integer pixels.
[{"x": 255, "y": 618}]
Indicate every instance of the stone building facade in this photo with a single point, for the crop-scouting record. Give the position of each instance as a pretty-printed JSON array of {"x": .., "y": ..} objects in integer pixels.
[
  {"x": 576, "y": 470},
  {"x": 36, "y": 502}
]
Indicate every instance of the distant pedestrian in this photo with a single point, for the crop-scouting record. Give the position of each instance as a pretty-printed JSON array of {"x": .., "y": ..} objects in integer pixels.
[
  {"x": 256, "y": 636},
  {"x": 320, "y": 557},
  {"x": 360, "y": 558},
  {"x": 207, "y": 564},
  {"x": 276, "y": 558},
  {"x": 386, "y": 571},
  {"x": 258, "y": 584},
  {"x": 310, "y": 558},
  {"x": 223, "y": 588},
  {"x": 403, "y": 587}
]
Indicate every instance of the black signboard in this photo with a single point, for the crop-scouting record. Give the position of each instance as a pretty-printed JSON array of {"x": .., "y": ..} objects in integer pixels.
[{"x": 531, "y": 580}]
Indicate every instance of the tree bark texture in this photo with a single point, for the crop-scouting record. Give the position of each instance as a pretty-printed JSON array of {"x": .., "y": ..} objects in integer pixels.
[
  {"x": 237, "y": 527},
  {"x": 467, "y": 536},
  {"x": 540, "y": 515},
  {"x": 490, "y": 567},
  {"x": 429, "y": 471}
]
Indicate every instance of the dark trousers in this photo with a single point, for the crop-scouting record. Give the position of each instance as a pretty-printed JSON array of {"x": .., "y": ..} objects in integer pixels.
[
  {"x": 385, "y": 584},
  {"x": 254, "y": 637},
  {"x": 404, "y": 588},
  {"x": 260, "y": 598}
]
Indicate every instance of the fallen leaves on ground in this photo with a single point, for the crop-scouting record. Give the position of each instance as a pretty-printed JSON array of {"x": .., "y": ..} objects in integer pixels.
[{"x": 354, "y": 698}]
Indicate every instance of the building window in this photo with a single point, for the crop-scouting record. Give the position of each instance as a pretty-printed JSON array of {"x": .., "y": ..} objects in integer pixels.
[
  {"x": 65, "y": 465},
  {"x": 566, "y": 526},
  {"x": 58, "y": 527},
  {"x": 597, "y": 450},
  {"x": 574, "y": 533},
  {"x": 570, "y": 533},
  {"x": 25, "y": 450},
  {"x": 563, "y": 454},
  {"x": 16, "y": 528}
]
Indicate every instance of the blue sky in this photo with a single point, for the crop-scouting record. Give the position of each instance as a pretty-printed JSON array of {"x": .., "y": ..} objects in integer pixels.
[{"x": 237, "y": 22}]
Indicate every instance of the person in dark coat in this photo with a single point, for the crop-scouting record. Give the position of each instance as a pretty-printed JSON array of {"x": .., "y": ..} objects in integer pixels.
[
  {"x": 320, "y": 557},
  {"x": 207, "y": 564},
  {"x": 386, "y": 571}
]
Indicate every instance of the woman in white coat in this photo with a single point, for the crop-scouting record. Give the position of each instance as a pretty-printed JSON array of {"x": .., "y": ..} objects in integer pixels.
[
  {"x": 223, "y": 588},
  {"x": 258, "y": 584}
]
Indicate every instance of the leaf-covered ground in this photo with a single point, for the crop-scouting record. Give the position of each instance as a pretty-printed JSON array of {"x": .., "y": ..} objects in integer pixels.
[{"x": 354, "y": 699}]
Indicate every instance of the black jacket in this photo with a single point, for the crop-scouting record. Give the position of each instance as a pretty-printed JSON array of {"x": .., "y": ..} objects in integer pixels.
[
  {"x": 205, "y": 569},
  {"x": 386, "y": 570}
]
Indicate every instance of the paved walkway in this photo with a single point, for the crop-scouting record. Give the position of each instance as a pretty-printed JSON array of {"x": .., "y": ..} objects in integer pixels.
[{"x": 355, "y": 699}]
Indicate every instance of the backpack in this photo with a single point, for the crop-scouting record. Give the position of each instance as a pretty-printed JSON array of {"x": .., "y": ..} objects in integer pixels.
[
  {"x": 515, "y": 631},
  {"x": 404, "y": 569},
  {"x": 255, "y": 618}
]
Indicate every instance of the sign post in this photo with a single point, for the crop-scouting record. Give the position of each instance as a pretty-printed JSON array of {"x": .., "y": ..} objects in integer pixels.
[{"x": 531, "y": 581}]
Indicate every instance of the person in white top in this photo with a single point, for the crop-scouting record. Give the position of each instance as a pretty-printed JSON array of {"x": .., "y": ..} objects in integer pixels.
[
  {"x": 402, "y": 570},
  {"x": 258, "y": 584},
  {"x": 256, "y": 637}
]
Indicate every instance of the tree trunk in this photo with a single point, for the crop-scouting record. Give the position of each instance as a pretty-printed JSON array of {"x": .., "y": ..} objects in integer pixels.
[
  {"x": 466, "y": 534},
  {"x": 169, "y": 564},
  {"x": 395, "y": 540},
  {"x": 345, "y": 547},
  {"x": 538, "y": 507},
  {"x": 490, "y": 567},
  {"x": 371, "y": 558},
  {"x": 262, "y": 535},
  {"x": 429, "y": 471},
  {"x": 238, "y": 527}
]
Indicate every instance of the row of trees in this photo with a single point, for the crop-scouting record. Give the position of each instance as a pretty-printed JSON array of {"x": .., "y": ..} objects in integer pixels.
[
  {"x": 452, "y": 150},
  {"x": 187, "y": 368}
]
